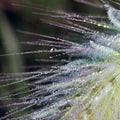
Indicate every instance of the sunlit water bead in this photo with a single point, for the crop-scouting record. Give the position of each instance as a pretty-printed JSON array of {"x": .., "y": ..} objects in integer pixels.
[
  {"x": 100, "y": 48},
  {"x": 92, "y": 110},
  {"x": 114, "y": 16},
  {"x": 111, "y": 41},
  {"x": 93, "y": 51},
  {"x": 72, "y": 84}
]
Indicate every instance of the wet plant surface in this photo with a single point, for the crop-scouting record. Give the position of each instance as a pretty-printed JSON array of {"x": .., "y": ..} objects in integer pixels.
[{"x": 60, "y": 60}]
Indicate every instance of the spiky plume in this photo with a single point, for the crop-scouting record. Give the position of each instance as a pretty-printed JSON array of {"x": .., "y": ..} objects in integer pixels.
[{"x": 83, "y": 89}]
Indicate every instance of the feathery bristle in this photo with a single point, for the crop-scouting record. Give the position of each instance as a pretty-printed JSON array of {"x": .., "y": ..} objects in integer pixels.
[{"x": 86, "y": 86}]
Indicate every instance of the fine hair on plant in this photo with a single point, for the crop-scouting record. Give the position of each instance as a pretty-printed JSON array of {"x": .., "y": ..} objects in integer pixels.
[{"x": 64, "y": 68}]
